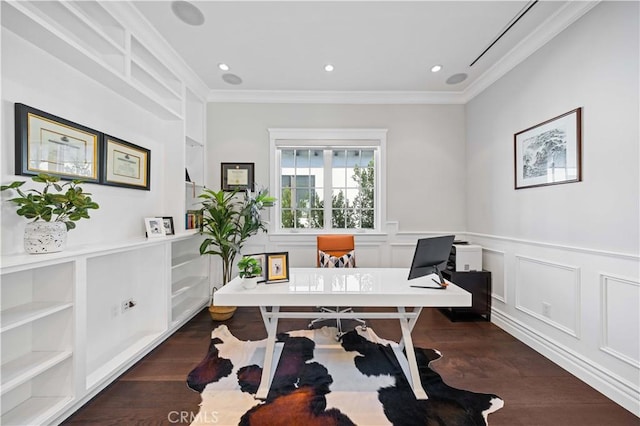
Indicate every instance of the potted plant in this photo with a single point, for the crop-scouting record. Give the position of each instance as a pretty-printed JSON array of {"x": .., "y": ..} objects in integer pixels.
[
  {"x": 228, "y": 220},
  {"x": 249, "y": 271},
  {"x": 54, "y": 211}
]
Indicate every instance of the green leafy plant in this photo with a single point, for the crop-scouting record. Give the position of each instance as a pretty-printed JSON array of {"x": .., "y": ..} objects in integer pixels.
[
  {"x": 229, "y": 219},
  {"x": 56, "y": 202},
  {"x": 249, "y": 267}
]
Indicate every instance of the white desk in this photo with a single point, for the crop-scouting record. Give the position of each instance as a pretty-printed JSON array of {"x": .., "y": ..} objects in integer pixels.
[{"x": 355, "y": 287}]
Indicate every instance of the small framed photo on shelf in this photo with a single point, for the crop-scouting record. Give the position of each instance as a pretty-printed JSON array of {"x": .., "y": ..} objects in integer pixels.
[
  {"x": 167, "y": 221},
  {"x": 549, "y": 153},
  {"x": 154, "y": 226},
  {"x": 48, "y": 144},
  {"x": 125, "y": 164},
  {"x": 260, "y": 257},
  {"x": 237, "y": 176},
  {"x": 277, "y": 267}
]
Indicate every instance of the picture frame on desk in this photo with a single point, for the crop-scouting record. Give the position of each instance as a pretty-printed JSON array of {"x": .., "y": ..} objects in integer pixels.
[
  {"x": 261, "y": 259},
  {"x": 549, "y": 153},
  {"x": 277, "y": 267},
  {"x": 46, "y": 143}
]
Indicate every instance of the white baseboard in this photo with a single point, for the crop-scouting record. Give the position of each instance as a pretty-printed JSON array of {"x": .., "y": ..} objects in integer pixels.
[{"x": 619, "y": 390}]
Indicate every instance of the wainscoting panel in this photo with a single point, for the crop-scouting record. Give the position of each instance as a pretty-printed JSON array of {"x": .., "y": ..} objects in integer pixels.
[
  {"x": 619, "y": 297},
  {"x": 550, "y": 292},
  {"x": 493, "y": 260}
]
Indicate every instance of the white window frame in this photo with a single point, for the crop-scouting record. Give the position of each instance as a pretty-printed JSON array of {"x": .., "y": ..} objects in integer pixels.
[{"x": 323, "y": 139}]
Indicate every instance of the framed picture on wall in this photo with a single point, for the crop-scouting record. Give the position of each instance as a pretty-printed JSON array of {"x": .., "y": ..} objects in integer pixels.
[
  {"x": 236, "y": 176},
  {"x": 125, "y": 164},
  {"x": 49, "y": 144},
  {"x": 549, "y": 153}
]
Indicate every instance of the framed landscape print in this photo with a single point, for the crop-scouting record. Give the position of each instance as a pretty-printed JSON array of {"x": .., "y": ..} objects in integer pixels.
[
  {"x": 48, "y": 144},
  {"x": 125, "y": 164},
  {"x": 549, "y": 153},
  {"x": 237, "y": 176}
]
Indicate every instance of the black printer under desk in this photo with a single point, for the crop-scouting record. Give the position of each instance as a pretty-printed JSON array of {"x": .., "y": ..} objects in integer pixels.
[{"x": 478, "y": 283}]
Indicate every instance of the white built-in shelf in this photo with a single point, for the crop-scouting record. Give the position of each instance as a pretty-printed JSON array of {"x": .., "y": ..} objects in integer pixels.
[
  {"x": 92, "y": 41},
  {"x": 187, "y": 308},
  {"x": 193, "y": 143},
  {"x": 26, "y": 367},
  {"x": 35, "y": 411},
  {"x": 118, "y": 356},
  {"x": 184, "y": 260},
  {"x": 24, "y": 314},
  {"x": 187, "y": 284}
]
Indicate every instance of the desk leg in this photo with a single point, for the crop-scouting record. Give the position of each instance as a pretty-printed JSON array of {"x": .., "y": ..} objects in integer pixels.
[
  {"x": 272, "y": 329},
  {"x": 414, "y": 380}
]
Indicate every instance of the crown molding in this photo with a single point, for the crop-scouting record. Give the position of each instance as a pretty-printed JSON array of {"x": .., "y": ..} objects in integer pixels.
[
  {"x": 551, "y": 27},
  {"x": 335, "y": 97}
]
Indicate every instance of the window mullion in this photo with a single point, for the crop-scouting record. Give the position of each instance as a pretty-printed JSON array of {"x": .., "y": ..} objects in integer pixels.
[{"x": 328, "y": 187}]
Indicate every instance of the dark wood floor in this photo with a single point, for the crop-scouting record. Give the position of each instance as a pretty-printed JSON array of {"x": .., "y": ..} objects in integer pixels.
[{"x": 477, "y": 356}]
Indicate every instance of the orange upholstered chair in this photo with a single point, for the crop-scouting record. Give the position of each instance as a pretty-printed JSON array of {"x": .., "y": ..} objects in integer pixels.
[
  {"x": 335, "y": 246},
  {"x": 335, "y": 251}
]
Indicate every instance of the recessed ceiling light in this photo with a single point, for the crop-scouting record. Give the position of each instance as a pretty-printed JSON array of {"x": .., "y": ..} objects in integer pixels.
[
  {"x": 231, "y": 79},
  {"x": 328, "y": 68},
  {"x": 223, "y": 67},
  {"x": 436, "y": 68},
  {"x": 187, "y": 12},
  {"x": 457, "y": 78}
]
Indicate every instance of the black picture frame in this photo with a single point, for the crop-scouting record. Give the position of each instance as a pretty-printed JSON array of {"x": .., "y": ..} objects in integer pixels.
[
  {"x": 236, "y": 176},
  {"x": 277, "y": 267},
  {"x": 549, "y": 153},
  {"x": 125, "y": 164},
  {"x": 68, "y": 150},
  {"x": 169, "y": 229},
  {"x": 261, "y": 258}
]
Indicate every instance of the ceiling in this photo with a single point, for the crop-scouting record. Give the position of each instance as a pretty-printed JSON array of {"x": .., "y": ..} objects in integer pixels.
[{"x": 373, "y": 45}]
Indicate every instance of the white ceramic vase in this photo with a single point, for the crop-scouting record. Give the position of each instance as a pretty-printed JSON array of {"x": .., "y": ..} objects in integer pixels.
[
  {"x": 250, "y": 283},
  {"x": 45, "y": 237}
]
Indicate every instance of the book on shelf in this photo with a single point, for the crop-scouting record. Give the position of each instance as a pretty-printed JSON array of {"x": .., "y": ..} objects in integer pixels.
[{"x": 193, "y": 219}]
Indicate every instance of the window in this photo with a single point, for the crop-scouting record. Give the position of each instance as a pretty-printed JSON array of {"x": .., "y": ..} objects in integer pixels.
[{"x": 327, "y": 179}]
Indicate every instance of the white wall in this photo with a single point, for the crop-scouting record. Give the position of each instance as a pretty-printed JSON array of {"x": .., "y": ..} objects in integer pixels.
[
  {"x": 425, "y": 151},
  {"x": 575, "y": 246},
  {"x": 35, "y": 78}
]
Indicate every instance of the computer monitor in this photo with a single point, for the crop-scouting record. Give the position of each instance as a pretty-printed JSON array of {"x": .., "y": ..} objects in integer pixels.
[{"x": 430, "y": 252}]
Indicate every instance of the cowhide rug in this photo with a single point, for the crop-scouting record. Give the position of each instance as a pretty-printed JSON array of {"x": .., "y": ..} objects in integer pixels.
[{"x": 359, "y": 383}]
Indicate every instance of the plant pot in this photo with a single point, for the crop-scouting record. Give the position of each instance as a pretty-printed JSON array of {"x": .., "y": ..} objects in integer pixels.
[
  {"x": 45, "y": 237},
  {"x": 221, "y": 313},
  {"x": 250, "y": 283}
]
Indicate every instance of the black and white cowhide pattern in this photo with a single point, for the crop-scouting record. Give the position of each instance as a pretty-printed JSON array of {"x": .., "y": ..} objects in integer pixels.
[{"x": 319, "y": 383}]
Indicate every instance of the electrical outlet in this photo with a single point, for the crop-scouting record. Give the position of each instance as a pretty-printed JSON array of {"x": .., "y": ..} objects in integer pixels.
[
  {"x": 128, "y": 304},
  {"x": 546, "y": 309}
]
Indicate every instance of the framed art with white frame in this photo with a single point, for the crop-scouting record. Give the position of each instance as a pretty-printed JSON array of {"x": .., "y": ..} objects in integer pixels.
[
  {"x": 549, "y": 153},
  {"x": 155, "y": 227}
]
